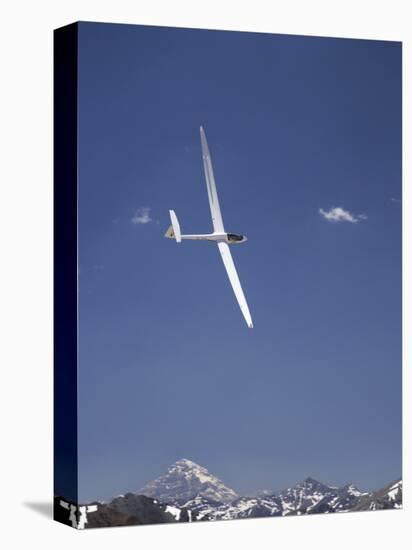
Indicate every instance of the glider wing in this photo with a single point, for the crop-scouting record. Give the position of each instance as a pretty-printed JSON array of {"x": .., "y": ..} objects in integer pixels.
[
  {"x": 234, "y": 281},
  {"x": 211, "y": 186}
]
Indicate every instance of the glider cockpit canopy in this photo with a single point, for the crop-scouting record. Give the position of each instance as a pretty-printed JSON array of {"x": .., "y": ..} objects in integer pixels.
[{"x": 234, "y": 238}]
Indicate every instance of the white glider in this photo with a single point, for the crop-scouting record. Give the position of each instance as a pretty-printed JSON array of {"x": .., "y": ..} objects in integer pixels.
[{"x": 219, "y": 234}]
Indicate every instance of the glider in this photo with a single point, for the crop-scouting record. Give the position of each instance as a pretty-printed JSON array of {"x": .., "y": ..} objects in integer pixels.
[{"x": 219, "y": 234}]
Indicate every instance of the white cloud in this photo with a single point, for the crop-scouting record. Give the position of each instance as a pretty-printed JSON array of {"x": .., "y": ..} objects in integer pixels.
[
  {"x": 142, "y": 215},
  {"x": 339, "y": 214}
]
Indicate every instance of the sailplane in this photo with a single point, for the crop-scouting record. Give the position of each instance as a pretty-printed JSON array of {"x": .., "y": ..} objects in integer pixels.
[{"x": 219, "y": 235}]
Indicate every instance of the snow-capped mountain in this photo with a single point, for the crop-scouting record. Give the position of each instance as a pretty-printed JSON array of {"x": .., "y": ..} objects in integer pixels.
[
  {"x": 241, "y": 507},
  {"x": 388, "y": 497},
  {"x": 301, "y": 498},
  {"x": 188, "y": 485},
  {"x": 185, "y": 480},
  {"x": 249, "y": 507},
  {"x": 307, "y": 497},
  {"x": 188, "y": 492},
  {"x": 313, "y": 497}
]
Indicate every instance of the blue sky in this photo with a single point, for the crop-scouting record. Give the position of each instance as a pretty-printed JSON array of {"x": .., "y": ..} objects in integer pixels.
[{"x": 167, "y": 366}]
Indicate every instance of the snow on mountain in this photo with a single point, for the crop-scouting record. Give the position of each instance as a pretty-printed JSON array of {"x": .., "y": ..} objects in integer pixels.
[
  {"x": 395, "y": 491},
  {"x": 388, "y": 497},
  {"x": 249, "y": 507},
  {"x": 188, "y": 492},
  {"x": 241, "y": 507},
  {"x": 188, "y": 485},
  {"x": 307, "y": 497},
  {"x": 338, "y": 499},
  {"x": 202, "y": 507},
  {"x": 184, "y": 481},
  {"x": 301, "y": 498},
  {"x": 346, "y": 497}
]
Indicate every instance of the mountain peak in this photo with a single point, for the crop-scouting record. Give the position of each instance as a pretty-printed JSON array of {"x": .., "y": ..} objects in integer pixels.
[
  {"x": 186, "y": 480},
  {"x": 185, "y": 463},
  {"x": 310, "y": 480},
  {"x": 313, "y": 483}
]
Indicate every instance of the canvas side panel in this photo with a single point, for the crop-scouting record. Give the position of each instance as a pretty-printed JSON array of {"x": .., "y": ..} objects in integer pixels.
[{"x": 65, "y": 269}]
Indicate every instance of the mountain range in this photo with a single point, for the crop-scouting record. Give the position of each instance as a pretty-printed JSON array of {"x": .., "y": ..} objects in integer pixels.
[{"x": 187, "y": 492}]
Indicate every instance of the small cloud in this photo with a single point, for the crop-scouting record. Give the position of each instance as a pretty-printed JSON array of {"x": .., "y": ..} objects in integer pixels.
[
  {"x": 142, "y": 215},
  {"x": 394, "y": 199},
  {"x": 338, "y": 214}
]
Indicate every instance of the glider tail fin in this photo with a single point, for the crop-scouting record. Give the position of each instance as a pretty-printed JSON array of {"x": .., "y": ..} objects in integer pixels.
[{"x": 174, "y": 230}]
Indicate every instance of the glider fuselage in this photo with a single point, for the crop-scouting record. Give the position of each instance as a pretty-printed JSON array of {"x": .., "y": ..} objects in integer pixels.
[{"x": 230, "y": 238}]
